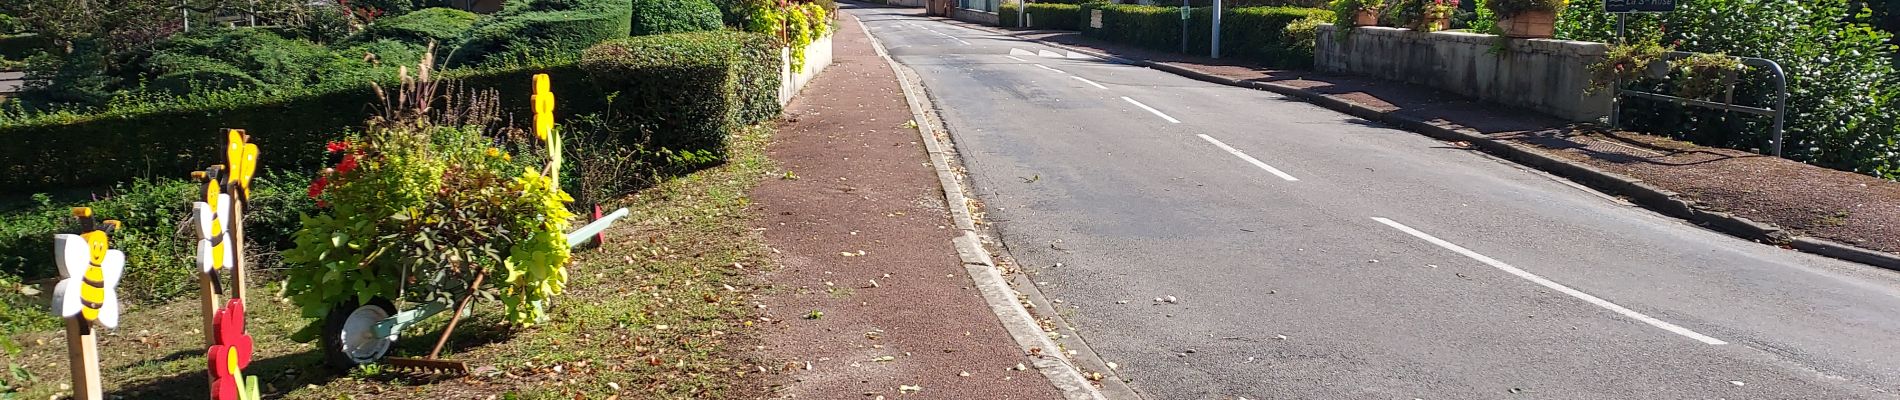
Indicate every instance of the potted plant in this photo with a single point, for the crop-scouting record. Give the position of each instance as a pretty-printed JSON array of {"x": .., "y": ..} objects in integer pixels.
[
  {"x": 1527, "y": 18},
  {"x": 1422, "y": 15},
  {"x": 1705, "y": 74},
  {"x": 1357, "y": 12}
]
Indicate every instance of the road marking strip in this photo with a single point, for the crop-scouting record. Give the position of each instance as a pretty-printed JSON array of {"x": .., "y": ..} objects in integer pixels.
[
  {"x": 1085, "y": 80},
  {"x": 1017, "y": 59},
  {"x": 1255, "y": 161},
  {"x": 1151, "y": 109},
  {"x": 1051, "y": 69},
  {"x": 1586, "y": 297}
]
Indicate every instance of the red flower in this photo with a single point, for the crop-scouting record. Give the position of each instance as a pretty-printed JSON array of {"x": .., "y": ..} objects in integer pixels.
[
  {"x": 316, "y": 188},
  {"x": 337, "y": 147},
  {"x": 348, "y": 164}
]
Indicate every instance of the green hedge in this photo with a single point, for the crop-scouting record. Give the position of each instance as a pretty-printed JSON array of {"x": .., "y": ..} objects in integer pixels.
[
  {"x": 443, "y": 25},
  {"x": 176, "y": 136},
  {"x": 19, "y": 47},
  {"x": 542, "y": 29},
  {"x": 686, "y": 91},
  {"x": 1066, "y": 17},
  {"x": 1152, "y": 27},
  {"x": 654, "y": 17},
  {"x": 1251, "y": 33}
]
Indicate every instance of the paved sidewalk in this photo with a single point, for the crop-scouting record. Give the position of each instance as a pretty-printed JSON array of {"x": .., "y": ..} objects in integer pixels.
[
  {"x": 858, "y": 222},
  {"x": 1804, "y": 201}
]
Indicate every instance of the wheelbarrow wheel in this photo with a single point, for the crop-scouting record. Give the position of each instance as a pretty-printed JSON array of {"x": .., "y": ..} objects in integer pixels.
[{"x": 349, "y": 333}]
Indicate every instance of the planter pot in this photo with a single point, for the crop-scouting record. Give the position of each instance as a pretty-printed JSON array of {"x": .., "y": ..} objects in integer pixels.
[
  {"x": 1529, "y": 24},
  {"x": 1365, "y": 18}
]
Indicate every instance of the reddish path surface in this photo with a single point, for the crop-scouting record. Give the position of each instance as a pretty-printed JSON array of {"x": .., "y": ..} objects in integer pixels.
[{"x": 864, "y": 184}]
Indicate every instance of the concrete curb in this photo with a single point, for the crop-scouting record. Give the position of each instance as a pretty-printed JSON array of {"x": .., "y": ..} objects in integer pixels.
[
  {"x": 996, "y": 291},
  {"x": 1646, "y": 195}
]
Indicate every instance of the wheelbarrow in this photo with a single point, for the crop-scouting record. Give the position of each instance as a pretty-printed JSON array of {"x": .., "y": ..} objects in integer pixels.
[{"x": 357, "y": 334}]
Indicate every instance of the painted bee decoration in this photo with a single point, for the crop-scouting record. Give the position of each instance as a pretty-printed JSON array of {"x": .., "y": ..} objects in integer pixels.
[
  {"x": 89, "y": 272},
  {"x": 213, "y": 220}
]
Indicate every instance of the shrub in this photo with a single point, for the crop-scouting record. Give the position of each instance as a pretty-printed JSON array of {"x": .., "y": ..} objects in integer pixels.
[
  {"x": 159, "y": 263},
  {"x": 1253, "y": 33},
  {"x": 653, "y": 17},
  {"x": 544, "y": 28},
  {"x": 1841, "y": 81},
  {"x": 1145, "y": 26},
  {"x": 1508, "y": 8},
  {"x": 1059, "y": 16},
  {"x": 1300, "y": 37},
  {"x": 19, "y": 47},
  {"x": 442, "y": 25},
  {"x": 686, "y": 91}
]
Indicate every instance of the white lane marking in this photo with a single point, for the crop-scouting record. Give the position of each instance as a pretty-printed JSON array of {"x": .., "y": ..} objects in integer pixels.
[
  {"x": 1255, "y": 161},
  {"x": 1020, "y": 52},
  {"x": 1051, "y": 69},
  {"x": 1085, "y": 80},
  {"x": 1586, "y": 297},
  {"x": 1050, "y": 54},
  {"x": 1080, "y": 56},
  {"x": 959, "y": 40},
  {"x": 1017, "y": 59},
  {"x": 1151, "y": 109}
]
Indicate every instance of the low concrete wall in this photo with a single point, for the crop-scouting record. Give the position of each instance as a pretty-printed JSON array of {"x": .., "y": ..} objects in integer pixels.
[
  {"x": 817, "y": 57},
  {"x": 1548, "y": 76},
  {"x": 977, "y": 16}
]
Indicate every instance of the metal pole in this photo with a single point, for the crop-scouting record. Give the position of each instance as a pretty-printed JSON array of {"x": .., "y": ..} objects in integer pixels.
[
  {"x": 1184, "y": 26},
  {"x": 1022, "y": 12},
  {"x": 1216, "y": 43}
]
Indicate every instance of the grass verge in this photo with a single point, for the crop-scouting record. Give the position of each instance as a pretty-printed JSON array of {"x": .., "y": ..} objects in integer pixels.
[{"x": 659, "y": 312}]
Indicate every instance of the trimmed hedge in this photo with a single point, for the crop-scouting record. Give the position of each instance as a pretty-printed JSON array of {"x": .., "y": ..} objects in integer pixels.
[
  {"x": 19, "y": 47},
  {"x": 1254, "y": 33},
  {"x": 1066, "y": 17},
  {"x": 687, "y": 90},
  {"x": 544, "y": 28},
  {"x": 176, "y": 136},
  {"x": 654, "y": 17},
  {"x": 443, "y": 25}
]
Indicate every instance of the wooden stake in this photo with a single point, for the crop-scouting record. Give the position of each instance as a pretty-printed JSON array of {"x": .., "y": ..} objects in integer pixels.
[
  {"x": 82, "y": 353},
  {"x": 208, "y": 305},
  {"x": 239, "y": 285}
]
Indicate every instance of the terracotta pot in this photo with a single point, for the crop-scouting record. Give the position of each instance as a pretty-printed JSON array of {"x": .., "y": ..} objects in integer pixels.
[
  {"x": 1529, "y": 24},
  {"x": 1365, "y": 18}
]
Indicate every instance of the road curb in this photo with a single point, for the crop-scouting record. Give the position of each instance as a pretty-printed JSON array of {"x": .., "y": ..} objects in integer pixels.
[
  {"x": 996, "y": 291},
  {"x": 1643, "y": 194}
]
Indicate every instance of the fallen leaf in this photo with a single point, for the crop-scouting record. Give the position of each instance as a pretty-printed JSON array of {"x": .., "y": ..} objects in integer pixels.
[
  {"x": 883, "y": 359},
  {"x": 909, "y": 388}
]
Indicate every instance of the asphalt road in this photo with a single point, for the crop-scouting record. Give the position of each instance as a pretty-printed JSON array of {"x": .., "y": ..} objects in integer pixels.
[{"x": 1315, "y": 255}]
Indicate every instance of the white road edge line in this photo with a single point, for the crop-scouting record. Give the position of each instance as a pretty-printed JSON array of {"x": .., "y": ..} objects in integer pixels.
[
  {"x": 1151, "y": 109},
  {"x": 1017, "y": 59},
  {"x": 1086, "y": 80},
  {"x": 1586, "y": 297},
  {"x": 1255, "y": 161},
  {"x": 1051, "y": 69}
]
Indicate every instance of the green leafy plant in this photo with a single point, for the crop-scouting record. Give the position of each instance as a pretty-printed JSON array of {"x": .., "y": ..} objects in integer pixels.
[
  {"x": 1511, "y": 8},
  {"x": 653, "y": 17},
  {"x": 418, "y": 211},
  {"x": 1624, "y": 63},
  {"x": 1705, "y": 74},
  {"x": 1301, "y": 36}
]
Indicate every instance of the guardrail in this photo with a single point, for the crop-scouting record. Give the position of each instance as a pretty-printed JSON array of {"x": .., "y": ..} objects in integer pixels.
[{"x": 1779, "y": 110}]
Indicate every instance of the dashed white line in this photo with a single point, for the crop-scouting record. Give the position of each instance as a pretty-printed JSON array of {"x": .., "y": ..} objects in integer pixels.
[
  {"x": 1255, "y": 161},
  {"x": 1017, "y": 59},
  {"x": 1085, "y": 80},
  {"x": 1051, "y": 69},
  {"x": 1151, "y": 109},
  {"x": 1586, "y": 297}
]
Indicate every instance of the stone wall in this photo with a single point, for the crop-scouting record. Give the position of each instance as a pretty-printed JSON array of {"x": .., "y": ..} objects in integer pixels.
[{"x": 1548, "y": 76}]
